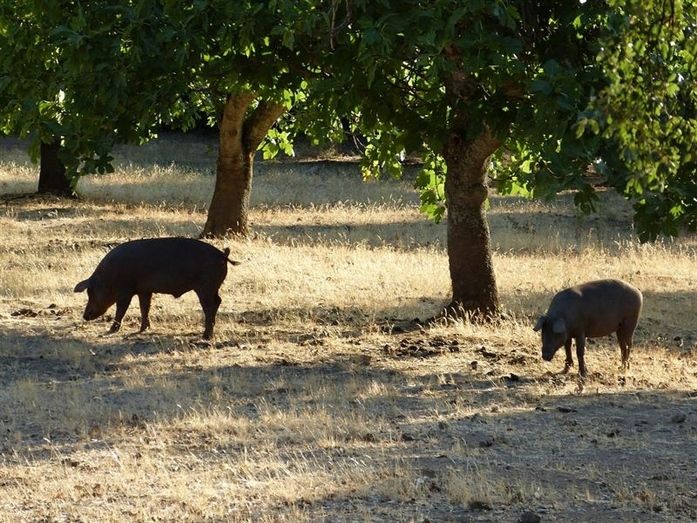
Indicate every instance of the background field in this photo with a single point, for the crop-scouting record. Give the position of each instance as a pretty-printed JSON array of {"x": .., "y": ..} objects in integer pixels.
[{"x": 321, "y": 397}]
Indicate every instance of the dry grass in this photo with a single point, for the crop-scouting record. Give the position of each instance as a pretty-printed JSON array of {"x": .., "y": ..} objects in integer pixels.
[{"x": 317, "y": 401}]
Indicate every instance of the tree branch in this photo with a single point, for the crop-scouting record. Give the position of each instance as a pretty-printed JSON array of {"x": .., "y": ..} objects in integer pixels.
[{"x": 259, "y": 122}]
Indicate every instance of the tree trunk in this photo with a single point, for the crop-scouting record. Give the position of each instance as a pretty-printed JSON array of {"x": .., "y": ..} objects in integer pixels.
[
  {"x": 238, "y": 141},
  {"x": 469, "y": 249},
  {"x": 52, "y": 178}
]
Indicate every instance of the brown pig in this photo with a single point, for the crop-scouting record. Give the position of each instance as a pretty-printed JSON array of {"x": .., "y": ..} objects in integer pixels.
[
  {"x": 590, "y": 310},
  {"x": 159, "y": 265}
]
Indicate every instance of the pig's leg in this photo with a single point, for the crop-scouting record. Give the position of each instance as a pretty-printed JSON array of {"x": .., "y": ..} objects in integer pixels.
[
  {"x": 122, "y": 303},
  {"x": 624, "y": 337},
  {"x": 144, "y": 300},
  {"x": 580, "y": 351},
  {"x": 569, "y": 360},
  {"x": 209, "y": 303}
]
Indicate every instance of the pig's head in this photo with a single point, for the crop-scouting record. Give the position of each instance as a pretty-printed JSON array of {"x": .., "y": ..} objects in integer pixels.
[
  {"x": 553, "y": 335},
  {"x": 99, "y": 297}
]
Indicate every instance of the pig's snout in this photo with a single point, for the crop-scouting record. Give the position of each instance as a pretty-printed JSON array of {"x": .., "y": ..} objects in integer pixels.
[
  {"x": 90, "y": 315},
  {"x": 547, "y": 357}
]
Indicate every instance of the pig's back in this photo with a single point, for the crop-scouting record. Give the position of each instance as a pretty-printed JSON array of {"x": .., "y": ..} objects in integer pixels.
[
  {"x": 598, "y": 307},
  {"x": 617, "y": 293}
]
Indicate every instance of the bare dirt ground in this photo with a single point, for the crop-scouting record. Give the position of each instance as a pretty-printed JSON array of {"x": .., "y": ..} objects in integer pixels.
[{"x": 322, "y": 398}]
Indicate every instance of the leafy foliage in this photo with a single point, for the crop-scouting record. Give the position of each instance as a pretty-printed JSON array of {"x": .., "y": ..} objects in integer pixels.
[
  {"x": 573, "y": 90},
  {"x": 99, "y": 72},
  {"x": 76, "y": 72},
  {"x": 649, "y": 110}
]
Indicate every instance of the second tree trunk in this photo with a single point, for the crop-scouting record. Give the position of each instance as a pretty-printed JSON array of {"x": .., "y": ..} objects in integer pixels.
[
  {"x": 240, "y": 136},
  {"x": 469, "y": 249}
]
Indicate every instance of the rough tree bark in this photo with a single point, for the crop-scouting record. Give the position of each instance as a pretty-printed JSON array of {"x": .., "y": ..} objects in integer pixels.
[
  {"x": 239, "y": 137},
  {"x": 466, "y": 154},
  {"x": 52, "y": 179},
  {"x": 469, "y": 250}
]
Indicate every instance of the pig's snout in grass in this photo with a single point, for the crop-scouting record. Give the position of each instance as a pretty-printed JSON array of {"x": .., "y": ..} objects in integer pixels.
[{"x": 90, "y": 315}]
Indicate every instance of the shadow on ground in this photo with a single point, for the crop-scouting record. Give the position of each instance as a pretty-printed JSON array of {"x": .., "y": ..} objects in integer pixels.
[{"x": 477, "y": 446}]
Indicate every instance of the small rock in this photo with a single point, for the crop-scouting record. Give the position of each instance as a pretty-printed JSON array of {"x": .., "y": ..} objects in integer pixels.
[
  {"x": 479, "y": 505},
  {"x": 26, "y": 313},
  {"x": 407, "y": 437},
  {"x": 487, "y": 353},
  {"x": 660, "y": 477},
  {"x": 95, "y": 431},
  {"x": 678, "y": 418},
  {"x": 529, "y": 517},
  {"x": 369, "y": 437},
  {"x": 513, "y": 377},
  {"x": 362, "y": 359}
]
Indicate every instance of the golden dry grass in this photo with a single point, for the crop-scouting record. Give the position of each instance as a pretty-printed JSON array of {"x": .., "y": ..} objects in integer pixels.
[{"x": 319, "y": 399}]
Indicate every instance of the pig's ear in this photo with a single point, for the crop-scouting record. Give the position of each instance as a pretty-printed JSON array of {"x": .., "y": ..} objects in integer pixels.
[
  {"x": 539, "y": 324},
  {"x": 82, "y": 286},
  {"x": 559, "y": 326}
]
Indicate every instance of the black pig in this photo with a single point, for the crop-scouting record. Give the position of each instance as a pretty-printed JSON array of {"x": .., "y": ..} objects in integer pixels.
[
  {"x": 590, "y": 310},
  {"x": 163, "y": 265}
]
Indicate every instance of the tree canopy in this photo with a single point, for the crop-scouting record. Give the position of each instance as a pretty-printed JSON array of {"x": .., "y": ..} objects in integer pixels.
[
  {"x": 568, "y": 87},
  {"x": 77, "y": 73},
  {"x": 649, "y": 109}
]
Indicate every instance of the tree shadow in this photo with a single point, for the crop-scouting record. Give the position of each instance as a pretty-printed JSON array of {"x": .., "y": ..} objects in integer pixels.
[{"x": 501, "y": 442}]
